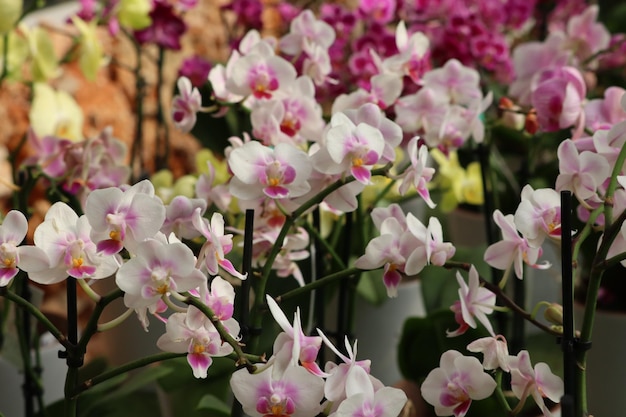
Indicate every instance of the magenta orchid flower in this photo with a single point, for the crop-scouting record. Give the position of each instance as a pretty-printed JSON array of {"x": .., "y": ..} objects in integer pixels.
[
  {"x": 458, "y": 380},
  {"x": 193, "y": 332},
  {"x": 363, "y": 400},
  {"x": 217, "y": 244},
  {"x": 582, "y": 173},
  {"x": 513, "y": 249},
  {"x": 65, "y": 239},
  {"x": 537, "y": 382},
  {"x": 158, "y": 269},
  {"x": 121, "y": 218},
  {"x": 474, "y": 303},
  {"x": 308, "y": 346},
  {"x": 185, "y": 105},
  {"x": 281, "y": 172}
]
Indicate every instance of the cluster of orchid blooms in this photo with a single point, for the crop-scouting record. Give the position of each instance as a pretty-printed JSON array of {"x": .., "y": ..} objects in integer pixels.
[{"x": 295, "y": 161}]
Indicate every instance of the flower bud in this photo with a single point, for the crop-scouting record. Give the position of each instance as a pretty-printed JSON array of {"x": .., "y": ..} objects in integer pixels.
[
  {"x": 531, "y": 125},
  {"x": 554, "y": 314},
  {"x": 11, "y": 12}
]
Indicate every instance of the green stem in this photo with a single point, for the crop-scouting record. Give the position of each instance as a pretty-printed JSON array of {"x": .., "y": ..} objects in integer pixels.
[
  {"x": 289, "y": 222},
  {"x": 499, "y": 393},
  {"x": 163, "y": 134},
  {"x": 611, "y": 231},
  {"x": 242, "y": 358},
  {"x": 92, "y": 324},
  {"x": 319, "y": 239},
  {"x": 139, "y": 363},
  {"x": 39, "y": 316}
]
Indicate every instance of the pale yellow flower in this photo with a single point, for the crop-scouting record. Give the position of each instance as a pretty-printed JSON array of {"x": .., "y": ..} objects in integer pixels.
[
  {"x": 11, "y": 12},
  {"x": 55, "y": 113},
  {"x": 45, "y": 63},
  {"x": 18, "y": 52},
  {"x": 134, "y": 14},
  {"x": 457, "y": 184},
  {"x": 91, "y": 56}
]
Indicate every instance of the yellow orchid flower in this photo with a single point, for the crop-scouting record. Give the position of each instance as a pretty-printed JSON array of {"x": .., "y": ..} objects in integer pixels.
[
  {"x": 17, "y": 54},
  {"x": 134, "y": 14},
  {"x": 11, "y": 12},
  {"x": 45, "y": 63},
  {"x": 91, "y": 55},
  {"x": 55, "y": 113},
  {"x": 205, "y": 157},
  {"x": 457, "y": 184}
]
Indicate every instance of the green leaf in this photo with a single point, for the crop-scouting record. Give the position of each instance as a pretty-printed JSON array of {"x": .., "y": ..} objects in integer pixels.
[
  {"x": 213, "y": 405},
  {"x": 424, "y": 339},
  {"x": 371, "y": 287}
]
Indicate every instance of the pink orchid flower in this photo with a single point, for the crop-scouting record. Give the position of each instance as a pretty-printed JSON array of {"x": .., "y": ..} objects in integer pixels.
[
  {"x": 337, "y": 387},
  {"x": 294, "y": 393},
  {"x": 185, "y": 105},
  {"x": 582, "y": 173},
  {"x": 285, "y": 343},
  {"x": 260, "y": 73},
  {"x": 217, "y": 245},
  {"x": 474, "y": 303},
  {"x": 557, "y": 95},
  {"x": 393, "y": 249},
  {"x": 126, "y": 217},
  {"x": 418, "y": 175},
  {"x": 281, "y": 172},
  {"x": 193, "y": 332},
  {"x": 305, "y": 30},
  {"x": 350, "y": 148},
  {"x": 363, "y": 400},
  {"x": 12, "y": 232},
  {"x": 458, "y": 380},
  {"x": 63, "y": 247},
  {"x": 537, "y": 382},
  {"x": 413, "y": 59},
  {"x": 495, "y": 352},
  {"x": 158, "y": 269},
  {"x": 539, "y": 215},
  {"x": 513, "y": 249},
  {"x": 179, "y": 215}
]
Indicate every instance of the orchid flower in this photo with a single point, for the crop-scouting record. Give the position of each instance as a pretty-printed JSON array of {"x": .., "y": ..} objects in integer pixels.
[
  {"x": 363, "y": 400},
  {"x": 12, "y": 232},
  {"x": 295, "y": 393},
  {"x": 309, "y": 346},
  {"x": 513, "y": 249},
  {"x": 65, "y": 239},
  {"x": 125, "y": 217},
  {"x": 582, "y": 173},
  {"x": 158, "y": 269},
  {"x": 475, "y": 302},
  {"x": 217, "y": 244},
  {"x": 193, "y": 332},
  {"x": 186, "y": 105},
  {"x": 539, "y": 215},
  {"x": 495, "y": 352},
  {"x": 418, "y": 175},
  {"x": 458, "y": 380},
  {"x": 537, "y": 382},
  {"x": 280, "y": 172},
  {"x": 336, "y": 387}
]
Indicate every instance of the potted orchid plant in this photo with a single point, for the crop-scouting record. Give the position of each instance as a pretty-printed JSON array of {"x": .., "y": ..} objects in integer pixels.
[{"x": 329, "y": 120}]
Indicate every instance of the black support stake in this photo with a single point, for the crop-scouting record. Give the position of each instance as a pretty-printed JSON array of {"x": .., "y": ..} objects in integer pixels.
[{"x": 568, "y": 340}]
